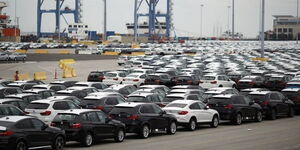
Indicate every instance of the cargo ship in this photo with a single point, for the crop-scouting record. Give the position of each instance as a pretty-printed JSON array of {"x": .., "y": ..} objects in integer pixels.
[
  {"x": 7, "y": 32},
  {"x": 143, "y": 28}
]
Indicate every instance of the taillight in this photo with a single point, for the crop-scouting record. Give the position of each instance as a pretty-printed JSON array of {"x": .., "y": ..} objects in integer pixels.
[
  {"x": 133, "y": 117},
  {"x": 251, "y": 83},
  {"x": 183, "y": 112},
  {"x": 53, "y": 124},
  {"x": 26, "y": 112},
  {"x": 46, "y": 113},
  {"x": 201, "y": 82},
  {"x": 76, "y": 126},
  {"x": 157, "y": 81},
  {"x": 297, "y": 99},
  {"x": 136, "y": 80},
  {"x": 213, "y": 82},
  {"x": 123, "y": 79},
  {"x": 229, "y": 106},
  {"x": 161, "y": 105},
  {"x": 265, "y": 102},
  {"x": 99, "y": 107},
  {"x": 115, "y": 78},
  {"x": 190, "y": 82},
  {"x": 101, "y": 77},
  {"x": 6, "y": 133}
]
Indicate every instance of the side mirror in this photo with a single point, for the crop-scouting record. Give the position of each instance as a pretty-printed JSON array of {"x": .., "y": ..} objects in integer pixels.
[{"x": 251, "y": 103}]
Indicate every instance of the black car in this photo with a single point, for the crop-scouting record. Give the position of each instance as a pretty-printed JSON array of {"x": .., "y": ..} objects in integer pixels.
[
  {"x": 9, "y": 90},
  {"x": 250, "y": 82},
  {"x": 146, "y": 98},
  {"x": 160, "y": 79},
  {"x": 142, "y": 118},
  {"x": 277, "y": 82},
  {"x": 96, "y": 76},
  {"x": 26, "y": 132},
  {"x": 10, "y": 110},
  {"x": 294, "y": 95},
  {"x": 26, "y": 97},
  {"x": 23, "y": 86},
  {"x": 273, "y": 103},
  {"x": 64, "y": 83},
  {"x": 87, "y": 126},
  {"x": 187, "y": 80},
  {"x": 104, "y": 103},
  {"x": 236, "y": 108}
]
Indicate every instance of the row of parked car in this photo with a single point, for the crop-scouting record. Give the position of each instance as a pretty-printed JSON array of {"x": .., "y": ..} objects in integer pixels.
[
  {"x": 11, "y": 46},
  {"x": 8, "y": 56},
  {"x": 150, "y": 94}
]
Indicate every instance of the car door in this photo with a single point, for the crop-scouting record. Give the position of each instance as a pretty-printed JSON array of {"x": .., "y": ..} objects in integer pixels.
[
  {"x": 240, "y": 105},
  {"x": 150, "y": 116},
  {"x": 206, "y": 114},
  {"x": 251, "y": 109},
  {"x": 278, "y": 103},
  {"x": 94, "y": 124},
  {"x": 195, "y": 110},
  {"x": 162, "y": 120},
  {"x": 285, "y": 105},
  {"x": 41, "y": 130},
  {"x": 106, "y": 129}
]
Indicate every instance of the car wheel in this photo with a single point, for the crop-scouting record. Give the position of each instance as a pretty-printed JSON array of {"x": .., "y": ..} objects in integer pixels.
[
  {"x": 238, "y": 119},
  {"x": 120, "y": 135},
  {"x": 172, "y": 128},
  {"x": 58, "y": 143},
  {"x": 215, "y": 122},
  {"x": 192, "y": 124},
  {"x": 258, "y": 117},
  {"x": 291, "y": 112},
  {"x": 21, "y": 145},
  {"x": 234, "y": 86},
  {"x": 273, "y": 114},
  {"x": 220, "y": 85},
  {"x": 88, "y": 140},
  {"x": 145, "y": 132}
]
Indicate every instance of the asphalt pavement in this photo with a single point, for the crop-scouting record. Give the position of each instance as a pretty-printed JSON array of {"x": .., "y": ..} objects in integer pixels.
[{"x": 280, "y": 134}]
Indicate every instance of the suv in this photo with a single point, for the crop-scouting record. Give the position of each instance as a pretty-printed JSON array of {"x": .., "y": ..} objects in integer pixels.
[
  {"x": 46, "y": 110},
  {"x": 294, "y": 95},
  {"x": 104, "y": 103},
  {"x": 10, "y": 110},
  {"x": 26, "y": 97},
  {"x": 86, "y": 126},
  {"x": 4, "y": 91},
  {"x": 160, "y": 79},
  {"x": 43, "y": 93},
  {"x": 146, "y": 98},
  {"x": 236, "y": 108},
  {"x": 277, "y": 82},
  {"x": 273, "y": 103},
  {"x": 65, "y": 83},
  {"x": 96, "y": 76},
  {"x": 250, "y": 82},
  {"x": 187, "y": 80},
  {"x": 144, "y": 118},
  {"x": 212, "y": 81},
  {"x": 97, "y": 85}
]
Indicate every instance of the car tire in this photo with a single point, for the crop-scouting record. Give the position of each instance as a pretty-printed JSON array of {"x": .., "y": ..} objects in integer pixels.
[
  {"x": 234, "y": 86},
  {"x": 88, "y": 140},
  {"x": 145, "y": 132},
  {"x": 192, "y": 124},
  {"x": 21, "y": 145},
  {"x": 215, "y": 122},
  {"x": 258, "y": 117},
  {"x": 291, "y": 112},
  {"x": 120, "y": 135},
  {"x": 273, "y": 114},
  {"x": 172, "y": 128},
  {"x": 237, "y": 119},
  {"x": 220, "y": 85},
  {"x": 58, "y": 143}
]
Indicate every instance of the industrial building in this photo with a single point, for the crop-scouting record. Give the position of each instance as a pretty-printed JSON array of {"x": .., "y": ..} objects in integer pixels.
[{"x": 285, "y": 27}]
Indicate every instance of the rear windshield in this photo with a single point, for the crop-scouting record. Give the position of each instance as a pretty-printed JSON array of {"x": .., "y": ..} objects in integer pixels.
[
  {"x": 136, "y": 99},
  {"x": 111, "y": 75},
  {"x": 95, "y": 73},
  {"x": 220, "y": 101},
  {"x": 133, "y": 75},
  {"x": 153, "y": 77},
  {"x": 275, "y": 79},
  {"x": 81, "y": 85},
  {"x": 184, "y": 78},
  {"x": 64, "y": 117},
  {"x": 37, "y": 106},
  {"x": 208, "y": 78},
  {"x": 291, "y": 94},
  {"x": 257, "y": 97},
  {"x": 293, "y": 86},
  {"x": 171, "y": 99},
  {"x": 124, "y": 110},
  {"x": 176, "y": 105}
]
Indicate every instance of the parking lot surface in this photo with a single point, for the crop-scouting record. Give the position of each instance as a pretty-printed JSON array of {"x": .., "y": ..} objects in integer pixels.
[{"x": 281, "y": 134}]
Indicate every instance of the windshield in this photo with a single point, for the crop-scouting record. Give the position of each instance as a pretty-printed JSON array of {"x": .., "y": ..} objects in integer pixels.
[
  {"x": 111, "y": 75},
  {"x": 176, "y": 105},
  {"x": 208, "y": 78}
]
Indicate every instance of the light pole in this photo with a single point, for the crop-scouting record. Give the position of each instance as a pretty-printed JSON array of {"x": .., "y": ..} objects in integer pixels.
[
  {"x": 297, "y": 36},
  {"x": 262, "y": 33},
  {"x": 16, "y": 20},
  {"x": 228, "y": 23},
  {"x": 105, "y": 22},
  {"x": 233, "y": 19},
  {"x": 201, "y": 23}
]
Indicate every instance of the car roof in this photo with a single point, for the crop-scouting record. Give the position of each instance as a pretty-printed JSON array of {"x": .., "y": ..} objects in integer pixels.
[
  {"x": 14, "y": 118},
  {"x": 259, "y": 92},
  {"x": 224, "y": 96},
  {"x": 58, "y": 97},
  {"x": 219, "y": 89},
  {"x": 88, "y": 83},
  {"x": 118, "y": 86},
  {"x": 129, "y": 104},
  {"x": 176, "y": 95},
  {"x": 36, "y": 90},
  {"x": 291, "y": 90},
  {"x": 47, "y": 101},
  {"x": 8, "y": 100},
  {"x": 79, "y": 88},
  {"x": 184, "y": 101},
  {"x": 141, "y": 94},
  {"x": 78, "y": 111},
  {"x": 19, "y": 95}
]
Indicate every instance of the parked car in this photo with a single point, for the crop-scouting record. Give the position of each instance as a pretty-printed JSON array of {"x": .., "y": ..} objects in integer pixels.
[
  {"x": 187, "y": 80},
  {"x": 74, "y": 99},
  {"x": 87, "y": 126},
  {"x": 136, "y": 79},
  {"x": 123, "y": 89},
  {"x": 26, "y": 132},
  {"x": 191, "y": 113},
  {"x": 68, "y": 92},
  {"x": 273, "y": 103},
  {"x": 144, "y": 118},
  {"x": 294, "y": 95},
  {"x": 213, "y": 80},
  {"x": 46, "y": 110},
  {"x": 104, "y": 103},
  {"x": 161, "y": 87},
  {"x": 236, "y": 108},
  {"x": 250, "y": 82},
  {"x": 160, "y": 79},
  {"x": 10, "y": 110},
  {"x": 64, "y": 83},
  {"x": 277, "y": 82},
  {"x": 4, "y": 91},
  {"x": 146, "y": 98},
  {"x": 97, "y": 85},
  {"x": 26, "y": 97},
  {"x": 43, "y": 93},
  {"x": 16, "y": 102},
  {"x": 55, "y": 88},
  {"x": 21, "y": 85},
  {"x": 96, "y": 76}
]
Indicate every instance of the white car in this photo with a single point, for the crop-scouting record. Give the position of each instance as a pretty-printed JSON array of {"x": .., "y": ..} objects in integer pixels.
[
  {"x": 97, "y": 85},
  {"x": 136, "y": 79},
  {"x": 115, "y": 77},
  {"x": 189, "y": 113},
  {"x": 46, "y": 109},
  {"x": 213, "y": 81}
]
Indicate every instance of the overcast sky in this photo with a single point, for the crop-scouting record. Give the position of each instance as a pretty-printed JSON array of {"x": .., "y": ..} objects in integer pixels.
[{"x": 186, "y": 16}]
